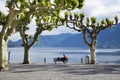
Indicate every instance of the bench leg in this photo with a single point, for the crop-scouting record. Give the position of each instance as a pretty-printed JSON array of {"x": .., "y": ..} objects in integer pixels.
[
  {"x": 55, "y": 62},
  {"x": 64, "y": 62}
]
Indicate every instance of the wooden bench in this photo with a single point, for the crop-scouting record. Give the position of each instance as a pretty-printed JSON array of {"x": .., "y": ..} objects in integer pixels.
[{"x": 60, "y": 60}]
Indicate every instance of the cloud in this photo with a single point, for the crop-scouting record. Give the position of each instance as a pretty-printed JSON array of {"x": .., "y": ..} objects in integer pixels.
[
  {"x": 2, "y": 6},
  {"x": 15, "y": 37},
  {"x": 102, "y": 8},
  {"x": 59, "y": 30}
]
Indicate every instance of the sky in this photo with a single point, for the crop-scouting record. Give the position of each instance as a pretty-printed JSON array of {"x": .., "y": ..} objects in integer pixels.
[{"x": 98, "y": 8}]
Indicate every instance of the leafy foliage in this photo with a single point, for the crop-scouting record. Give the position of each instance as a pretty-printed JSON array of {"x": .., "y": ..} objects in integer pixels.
[
  {"x": 46, "y": 15},
  {"x": 3, "y": 18},
  {"x": 70, "y": 3}
]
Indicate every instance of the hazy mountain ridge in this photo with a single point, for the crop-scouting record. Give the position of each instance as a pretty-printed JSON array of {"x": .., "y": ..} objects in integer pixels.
[
  {"x": 110, "y": 38},
  {"x": 107, "y": 39},
  {"x": 51, "y": 40}
]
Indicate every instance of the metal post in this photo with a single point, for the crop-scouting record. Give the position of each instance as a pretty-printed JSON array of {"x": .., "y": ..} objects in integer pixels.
[
  {"x": 9, "y": 57},
  {"x": 44, "y": 60},
  {"x": 81, "y": 60},
  {"x": 87, "y": 59}
]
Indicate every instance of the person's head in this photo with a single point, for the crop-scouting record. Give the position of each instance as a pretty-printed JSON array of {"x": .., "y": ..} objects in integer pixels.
[{"x": 63, "y": 54}]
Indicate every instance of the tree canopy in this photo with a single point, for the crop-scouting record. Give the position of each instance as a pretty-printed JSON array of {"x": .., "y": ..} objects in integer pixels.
[{"x": 20, "y": 13}]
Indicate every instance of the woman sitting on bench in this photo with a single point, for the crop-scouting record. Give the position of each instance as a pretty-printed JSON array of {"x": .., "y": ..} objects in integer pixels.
[{"x": 64, "y": 57}]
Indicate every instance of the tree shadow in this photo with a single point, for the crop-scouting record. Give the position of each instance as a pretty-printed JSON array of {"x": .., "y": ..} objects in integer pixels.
[
  {"x": 67, "y": 68},
  {"x": 24, "y": 68},
  {"x": 93, "y": 69}
]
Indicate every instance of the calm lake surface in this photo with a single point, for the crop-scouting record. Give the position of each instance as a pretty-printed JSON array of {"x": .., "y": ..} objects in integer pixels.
[{"x": 75, "y": 54}]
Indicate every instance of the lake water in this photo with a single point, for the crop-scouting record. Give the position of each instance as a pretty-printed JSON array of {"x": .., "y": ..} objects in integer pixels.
[{"x": 37, "y": 55}]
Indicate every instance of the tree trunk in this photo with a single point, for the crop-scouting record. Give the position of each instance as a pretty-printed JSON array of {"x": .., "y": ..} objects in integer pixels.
[
  {"x": 3, "y": 55},
  {"x": 26, "y": 55},
  {"x": 93, "y": 54}
]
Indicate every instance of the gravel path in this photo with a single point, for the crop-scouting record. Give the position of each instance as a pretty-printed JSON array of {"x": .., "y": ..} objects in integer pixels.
[{"x": 61, "y": 71}]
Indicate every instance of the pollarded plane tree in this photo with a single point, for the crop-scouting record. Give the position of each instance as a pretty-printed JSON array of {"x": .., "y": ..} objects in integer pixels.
[
  {"x": 42, "y": 23},
  {"x": 8, "y": 22},
  {"x": 46, "y": 18},
  {"x": 90, "y": 28},
  {"x": 24, "y": 19}
]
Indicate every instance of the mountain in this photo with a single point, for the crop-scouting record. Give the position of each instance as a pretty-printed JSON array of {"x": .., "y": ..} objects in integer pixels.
[
  {"x": 48, "y": 40},
  {"x": 108, "y": 38},
  {"x": 51, "y": 40},
  {"x": 12, "y": 44},
  {"x": 75, "y": 40}
]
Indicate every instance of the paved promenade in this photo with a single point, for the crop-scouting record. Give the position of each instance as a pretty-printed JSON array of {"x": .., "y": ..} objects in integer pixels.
[{"x": 61, "y": 71}]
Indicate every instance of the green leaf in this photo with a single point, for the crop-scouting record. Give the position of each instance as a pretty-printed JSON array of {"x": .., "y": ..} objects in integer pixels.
[
  {"x": 62, "y": 20},
  {"x": 116, "y": 19},
  {"x": 74, "y": 3},
  {"x": 81, "y": 3},
  {"x": 76, "y": 16},
  {"x": 8, "y": 3},
  {"x": 22, "y": 16},
  {"x": 58, "y": 2},
  {"x": 82, "y": 15},
  {"x": 93, "y": 20},
  {"x": 70, "y": 16},
  {"x": 3, "y": 18},
  {"x": 66, "y": 15}
]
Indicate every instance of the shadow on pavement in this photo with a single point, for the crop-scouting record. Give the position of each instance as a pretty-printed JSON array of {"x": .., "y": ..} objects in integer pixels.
[{"x": 75, "y": 69}]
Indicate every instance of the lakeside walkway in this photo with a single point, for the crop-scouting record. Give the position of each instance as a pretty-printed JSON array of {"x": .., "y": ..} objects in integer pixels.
[{"x": 51, "y": 71}]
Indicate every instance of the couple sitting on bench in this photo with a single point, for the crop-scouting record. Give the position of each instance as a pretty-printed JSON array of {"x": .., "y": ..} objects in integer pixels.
[{"x": 64, "y": 59}]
